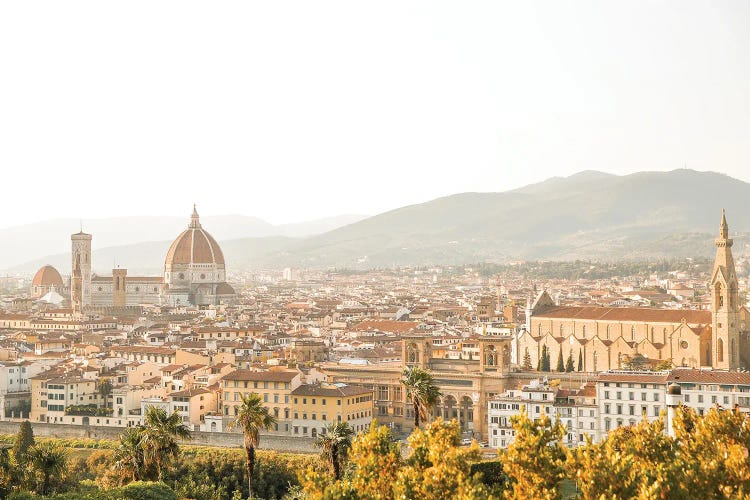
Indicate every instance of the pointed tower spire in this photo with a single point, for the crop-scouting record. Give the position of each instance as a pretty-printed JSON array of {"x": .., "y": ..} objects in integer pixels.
[
  {"x": 725, "y": 305},
  {"x": 723, "y": 227},
  {"x": 194, "y": 219}
]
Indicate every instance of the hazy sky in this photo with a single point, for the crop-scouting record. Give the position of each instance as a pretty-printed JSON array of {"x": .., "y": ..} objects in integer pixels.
[{"x": 295, "y": 110}]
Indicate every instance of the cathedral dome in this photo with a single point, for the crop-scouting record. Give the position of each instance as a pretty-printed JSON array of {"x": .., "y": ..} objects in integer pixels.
[
  {"x": 194, "y": 246},
  {"x": 47, "y": 276}
]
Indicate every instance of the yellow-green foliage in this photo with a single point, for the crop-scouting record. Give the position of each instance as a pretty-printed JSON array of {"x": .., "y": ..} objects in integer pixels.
[
  {"x": 535, "y": 459},
  {"x": 438, "y": 468}
]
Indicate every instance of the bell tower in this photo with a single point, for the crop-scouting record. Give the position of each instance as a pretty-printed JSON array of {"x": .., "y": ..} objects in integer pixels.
[
  {"x": 81, "y": 254},
  {"x": 725, "y": 304}
]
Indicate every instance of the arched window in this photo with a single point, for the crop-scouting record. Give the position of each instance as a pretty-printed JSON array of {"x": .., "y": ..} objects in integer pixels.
[
  {"x": 653, "y": 338},
  {"x": 596, "y": 361},
  {"x": 561, "y": 331},
  {"x": 583, "y": 331},
  {"x": 607, "y": 332},
  {"x": 632, "y": 332},
  {"x": 720, "y": 351},
  {"x": 539, "y": 330}
]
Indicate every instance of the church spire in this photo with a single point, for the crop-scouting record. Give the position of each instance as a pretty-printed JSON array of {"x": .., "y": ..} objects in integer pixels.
[
  {"x": 194, "y": 219},
  {"x": 723, "y": 227},
  {"x": 725, "y": 305}
]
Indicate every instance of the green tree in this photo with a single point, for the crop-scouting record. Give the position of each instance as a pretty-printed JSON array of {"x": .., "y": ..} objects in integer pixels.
[
  {"x": 638, "y": 461},
  {"x": 540, "y": 363},
  {"x": 437, "y": 467},
  {"x": 560, "y": 362},
  {"x": 376, "y": 459},
  {"x": 129, "y": 456},
  {"x": 159, "y": 435},
  {"x": 569, "y": 363},
  {"x": 580, "y": 360},
  {"x": 546, "y": 359},
  {"x": 715, "y": 450},
  {"x": 335, "y": 444},
  {"x": 527, "y": 360},
  {"x": 665, "y": 364},
  {"x": 252, "y": 417},
  {"x": 105, "y": 389},
  {"x": 48, "y": 462},
  {"x": 421, "y": 392},
  {"x": 23, "y": 442},
  {"x": 535, "y": 459}
]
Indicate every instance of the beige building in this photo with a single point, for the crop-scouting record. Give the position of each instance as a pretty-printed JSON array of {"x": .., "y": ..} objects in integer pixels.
[
  {"x": 193, "y": 405},
  {"x": 466, "y": 384},
  {"x": 273, "y": 386},
  {"x": 607, "y": 337},
  {"x": 315, "y": 406}
]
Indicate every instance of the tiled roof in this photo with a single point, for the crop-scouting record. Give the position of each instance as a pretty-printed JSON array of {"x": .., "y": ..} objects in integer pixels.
[
  {"x": 329, "y": 390},
  {"x": 640, "y": 314},
  {"x": 691, "y": 375},
  {"x": 261, "y": 376}
]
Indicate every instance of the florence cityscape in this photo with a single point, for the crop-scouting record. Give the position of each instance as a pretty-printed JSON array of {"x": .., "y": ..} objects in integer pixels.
[{"x": 405, "y": 250}]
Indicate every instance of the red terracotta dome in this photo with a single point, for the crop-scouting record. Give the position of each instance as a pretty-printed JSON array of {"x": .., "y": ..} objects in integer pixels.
[
  {"x": 194, "y": 246},
  {"x": 47, "y": 276}
]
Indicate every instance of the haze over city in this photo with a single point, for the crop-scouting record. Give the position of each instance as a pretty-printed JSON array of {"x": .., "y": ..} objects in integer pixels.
[{"x": 347, "y": 108}]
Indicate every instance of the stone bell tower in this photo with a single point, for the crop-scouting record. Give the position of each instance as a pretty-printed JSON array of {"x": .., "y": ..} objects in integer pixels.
[
  {"x": 81, "y": 256},
  {"x": 725, "y": 304}
]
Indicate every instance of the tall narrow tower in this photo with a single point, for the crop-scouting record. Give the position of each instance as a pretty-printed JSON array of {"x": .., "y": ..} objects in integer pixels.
[
  {"x": 725, "y": 304},
  {"x": 76, "y": 287},
  {"x": 81, "y": 253},
  {"x": 119, "y": 296}
]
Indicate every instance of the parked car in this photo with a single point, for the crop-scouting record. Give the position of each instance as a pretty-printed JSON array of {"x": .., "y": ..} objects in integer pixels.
[{"x": 465, "y": 442}]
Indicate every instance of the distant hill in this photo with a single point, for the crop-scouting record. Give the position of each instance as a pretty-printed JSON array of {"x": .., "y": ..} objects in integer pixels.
[
  {"x": 32, "y": 242},
  {"x": 587, "y": 215},
  {"x": 591, "y": 215}
]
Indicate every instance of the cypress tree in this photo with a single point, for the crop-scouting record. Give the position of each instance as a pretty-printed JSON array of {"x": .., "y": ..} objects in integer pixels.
[
  {"x": 569, "y": 364},
  {"x": 24, "y": 441},
  {"x": 527, "y": 360},
  {"x": 580, "y": 360},
  {"x": 540, "y": 364},
  {"x": 560, "y": 363},
  {"x": 546, "y": 363}
]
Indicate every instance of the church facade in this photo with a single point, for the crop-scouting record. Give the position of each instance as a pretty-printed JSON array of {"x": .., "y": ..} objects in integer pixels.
[
  {"x": 606, "y": 338},
  {"x": 194, "y": 274}
]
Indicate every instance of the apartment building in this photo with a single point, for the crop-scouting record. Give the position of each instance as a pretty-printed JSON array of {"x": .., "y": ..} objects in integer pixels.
[
  {"x": 315, "y": 406},
  {"x": 273, "y": 386}
]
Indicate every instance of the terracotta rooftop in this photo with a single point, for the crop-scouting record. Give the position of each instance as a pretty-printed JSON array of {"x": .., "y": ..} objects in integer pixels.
[
  {"x": 640, "y": 314},
  {"x": 262, "y": 376},
  {"x": 329, "y": 390}
]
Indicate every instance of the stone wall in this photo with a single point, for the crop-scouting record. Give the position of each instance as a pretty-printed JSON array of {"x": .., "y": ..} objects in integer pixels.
[{"x": 223, "y": 439}]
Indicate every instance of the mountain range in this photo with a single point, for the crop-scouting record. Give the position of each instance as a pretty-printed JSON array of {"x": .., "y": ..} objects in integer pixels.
[{"x": 591, "y": 215}]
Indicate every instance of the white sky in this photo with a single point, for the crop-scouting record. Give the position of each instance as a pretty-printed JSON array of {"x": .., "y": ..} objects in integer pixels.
[{"x": 296, "y": 110}]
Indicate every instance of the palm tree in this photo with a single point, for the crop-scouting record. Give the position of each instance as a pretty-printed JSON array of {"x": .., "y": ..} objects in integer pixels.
[
  {"x": 129, "y": 456},
  {"x": 252, "y": 417},
  {"x": 159, "y": 435},
  {"x": 48, "y": 460},
  {"x": 421, "y": 391},
  {"x": 335, "y": 444}
]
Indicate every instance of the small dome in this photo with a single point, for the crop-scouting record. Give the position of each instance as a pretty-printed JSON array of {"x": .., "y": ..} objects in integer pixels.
[
  {"x": 194, "y": 246},
  {"x": 47, "y": 276}
]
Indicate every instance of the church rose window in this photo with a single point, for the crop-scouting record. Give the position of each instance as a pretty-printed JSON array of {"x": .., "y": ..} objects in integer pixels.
[{"x": 684, "y": 344}]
